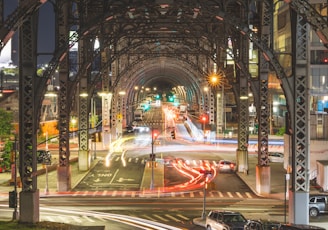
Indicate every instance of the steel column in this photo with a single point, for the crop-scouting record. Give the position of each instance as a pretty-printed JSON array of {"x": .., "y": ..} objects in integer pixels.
[
  {"x": 299, "y": 197},
  {"x": 28, "y": 120},
  {"x": 242, "y": 54},
  {"x": 263, "y": 177},
  {"x": 64, "y": 100}
]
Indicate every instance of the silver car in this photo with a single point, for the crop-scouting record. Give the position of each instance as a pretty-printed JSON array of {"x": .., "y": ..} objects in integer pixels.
[
  {"x": 318, "y": 204},
  {"x": 276, "y": 157},
  {"x": 225, "y": 220}
]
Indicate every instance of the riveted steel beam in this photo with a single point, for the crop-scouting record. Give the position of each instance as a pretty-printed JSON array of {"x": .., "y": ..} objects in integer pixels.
[
  {"x": 308, "y": 12},
  {"x": 64, "y": 99},
  {"x": 28, "y": 120},
  {"x": 299, "y": 107},
  {"x": 16, "y": 19},
  {"x": 263, "y": 112}
]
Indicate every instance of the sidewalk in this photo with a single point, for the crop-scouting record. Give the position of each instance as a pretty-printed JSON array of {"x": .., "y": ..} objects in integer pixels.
[{"x": 7, "y": 185}]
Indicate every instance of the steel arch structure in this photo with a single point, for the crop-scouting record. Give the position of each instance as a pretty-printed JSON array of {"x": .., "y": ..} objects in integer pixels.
[{"x": 125, "y": 15}]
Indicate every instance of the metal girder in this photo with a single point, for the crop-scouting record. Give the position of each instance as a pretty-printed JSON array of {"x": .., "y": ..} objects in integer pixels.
[
  {"x": 28, "y": 119},
  {"x": 64, "y": 101},
  {"x": 243, "y": 123},
  {"x": 317, "y": 21},
  {"x": 84, "y": 99},
  {"x": 299, "y": 113},
  {"x": 246, "y": 31},
  {"x": 300, "y": 109},
  {"x": 263, "y": 111},
  {"x": 1, "y": 13},
  {"x": 145, "y": 57},
  {"x": 16, "y": 19}
]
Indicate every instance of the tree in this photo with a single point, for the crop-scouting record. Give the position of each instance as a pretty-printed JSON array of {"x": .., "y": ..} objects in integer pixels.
[
  {"x": 6, "y": 156},
  {"x": 6, "y": 126}
]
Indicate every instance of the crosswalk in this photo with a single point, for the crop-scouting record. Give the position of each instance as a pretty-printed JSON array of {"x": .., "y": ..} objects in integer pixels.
[
  {"x": 159, "y": 194},
  {"x": 78, "y": 220}
]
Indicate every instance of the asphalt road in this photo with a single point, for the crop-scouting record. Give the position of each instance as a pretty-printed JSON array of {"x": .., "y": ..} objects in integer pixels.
[
  {"x": 178, "y": 212},
  {"x": 116, "y": 176}
]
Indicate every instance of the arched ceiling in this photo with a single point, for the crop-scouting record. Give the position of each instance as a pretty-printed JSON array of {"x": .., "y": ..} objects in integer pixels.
[
  {"x": 163, "y": 43},
  {"x": 164, "y": 73}
]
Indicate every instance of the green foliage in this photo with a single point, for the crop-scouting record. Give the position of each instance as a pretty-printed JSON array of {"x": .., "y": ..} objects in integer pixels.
[
  {"x": 94, "y": 120},
  {"x": 5, "y": 163},
  {"x": 6, "y": 119},
  {"x": 281, "y": 131},
  {"x": 10, "y": 71}
]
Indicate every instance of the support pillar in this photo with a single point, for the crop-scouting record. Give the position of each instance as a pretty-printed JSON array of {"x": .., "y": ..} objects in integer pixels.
[
  {"x": 263, "y": 179},
  {"x": 64, "y": 178},
  {"x": 84, "y": 160},
  {"x": 64, "y": 98},
  {"x": 29, "y": 203},
  {"x": 296, "y": 211},
  {"x": 242, "y": 161}
]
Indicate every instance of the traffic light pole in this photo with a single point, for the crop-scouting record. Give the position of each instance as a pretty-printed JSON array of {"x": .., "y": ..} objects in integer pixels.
[{"x": 152, "y": 159}]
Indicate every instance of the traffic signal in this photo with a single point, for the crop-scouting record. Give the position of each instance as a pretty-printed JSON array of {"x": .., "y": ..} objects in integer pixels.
[
  {"x": 12, "y": 199},
  {"x": 203, "y": 118},
  {"x": 152, "y": 156},
  {"x": 173, "y": 134},
  {"x": 155, "y": 134}
]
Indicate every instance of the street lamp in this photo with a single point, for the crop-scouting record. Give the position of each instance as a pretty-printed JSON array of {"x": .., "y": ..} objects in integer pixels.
[
  {"x": 204, "y": 120},
  {"x": 207, "y": 174},
  {"x": 46, "y": 190},
  {"x": 74, "y": 121}
]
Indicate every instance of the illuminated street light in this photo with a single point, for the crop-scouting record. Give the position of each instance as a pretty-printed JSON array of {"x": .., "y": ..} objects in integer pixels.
[
  {"x": 74, "y": 121},
  {"x": 83, "y": 94},
  {"x": 204, "y": 119},
  {"x": 215, "y": 80}
]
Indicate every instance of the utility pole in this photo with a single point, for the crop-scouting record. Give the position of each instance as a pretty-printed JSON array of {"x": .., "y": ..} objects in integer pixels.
[{"x": 152, "y": 156}]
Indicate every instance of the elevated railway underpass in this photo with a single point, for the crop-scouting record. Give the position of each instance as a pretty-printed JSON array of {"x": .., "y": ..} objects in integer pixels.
[{"x": 173, "y": 46}]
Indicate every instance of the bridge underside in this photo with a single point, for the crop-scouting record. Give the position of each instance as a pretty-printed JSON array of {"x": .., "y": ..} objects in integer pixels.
[{"x": 170, "y": 45}]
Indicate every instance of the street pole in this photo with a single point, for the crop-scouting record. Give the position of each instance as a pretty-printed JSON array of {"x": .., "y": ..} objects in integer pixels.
[
  {"x": 46, "y": 190},
  {"x": 204, "y": 119},
  {"x": 204, "y": 201},
  {"x": 15, "y": 214},
  {"x": 47, "y": 141},
  {"x": 287, "y": 177},
  {"x": 95, "y": 151},
  {"x": 152, "y": 160}
]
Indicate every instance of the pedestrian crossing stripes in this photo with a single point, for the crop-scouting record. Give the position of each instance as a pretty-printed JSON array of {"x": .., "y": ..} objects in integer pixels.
[
  {"x": 76, "y": 219},
  {"x": 158, "y": 194}
]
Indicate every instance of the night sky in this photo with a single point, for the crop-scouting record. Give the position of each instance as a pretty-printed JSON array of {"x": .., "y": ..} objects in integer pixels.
[{"x": 46, "y": 31}]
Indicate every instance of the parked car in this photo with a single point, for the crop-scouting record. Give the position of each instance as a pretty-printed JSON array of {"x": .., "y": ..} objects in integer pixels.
[
  {"x": 299, "y": 227},
  {"x": 261, "y": 225},
  {"x": 318, "y": 204},
  {"x": 224, "y": 220},
  {"x": 43, "y": 156},
  {"x": 276, "y": 157},
  {"x": 226, "y": 166}
]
